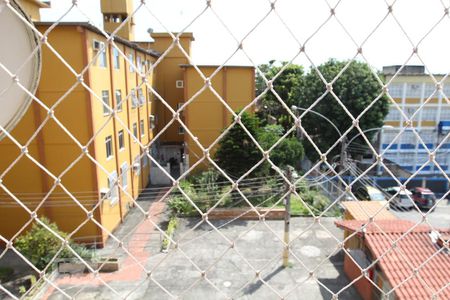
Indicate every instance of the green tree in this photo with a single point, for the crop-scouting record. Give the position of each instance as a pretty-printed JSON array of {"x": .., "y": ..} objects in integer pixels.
[
  {"x": 39, "y": 245},
  {"x": 237, "y": 153},
  {"x": 287, "y": 85},
  {"x": 288, "y": 152},
  {"x": 356, "y": 88}
]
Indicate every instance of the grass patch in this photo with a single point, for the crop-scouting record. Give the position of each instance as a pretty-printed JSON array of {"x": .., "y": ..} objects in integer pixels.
[{"x": 171, "y": 227}]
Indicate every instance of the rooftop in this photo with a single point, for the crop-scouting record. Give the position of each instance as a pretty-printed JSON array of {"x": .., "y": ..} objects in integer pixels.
[
  {"x": 98, "y": 31},
  {"x": 414, "y": 252},
  {"x": 363, "y": 210}
]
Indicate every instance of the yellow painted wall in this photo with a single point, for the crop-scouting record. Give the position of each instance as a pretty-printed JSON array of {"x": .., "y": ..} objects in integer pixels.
[
  {"x": 169, "y": 72},
  {"x": 206, "y": 116},
  {"x": 81, "y": 113}
]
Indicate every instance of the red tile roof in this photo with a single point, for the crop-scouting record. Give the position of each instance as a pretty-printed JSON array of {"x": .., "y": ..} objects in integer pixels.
[
  {"x": 363, "y": 210},
  {"x": 414, "y": 251}
]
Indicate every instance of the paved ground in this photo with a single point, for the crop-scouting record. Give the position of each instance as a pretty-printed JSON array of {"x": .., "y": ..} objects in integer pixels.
[
  {"x": 229, "y": 272},
  {"x": 440, "y": 218}
]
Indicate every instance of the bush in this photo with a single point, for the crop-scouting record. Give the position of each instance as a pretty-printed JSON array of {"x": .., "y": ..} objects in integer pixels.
[{"x": 39, "y": 245}]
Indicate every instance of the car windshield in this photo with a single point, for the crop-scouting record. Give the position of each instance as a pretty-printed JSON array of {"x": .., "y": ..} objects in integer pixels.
[
  {"x": 428, "y": 196},
  {"x": 404, "y": 196},
  {"x": 377, "y": 196}
]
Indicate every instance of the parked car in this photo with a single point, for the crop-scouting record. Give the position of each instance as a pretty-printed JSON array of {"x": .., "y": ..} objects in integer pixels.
[
  {"x": 423, "y": 197},
  {"x": 402, "y": 199},
  {"x": 370, "y": 193}
]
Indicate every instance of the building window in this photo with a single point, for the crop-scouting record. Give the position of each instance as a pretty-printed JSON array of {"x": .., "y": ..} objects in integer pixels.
[
  {"x": 139, "y": 63},
  {"x": 151, "y": 121},
  {"x": 393, "y": 115},
  {"x": 141, "y": 125},
  {"x": 140, "y": 96},
  {"x": 119, "y": 100},
  {"x": 102, "y": 57},
  {"x": 430, "y": 91},
  {"x": 135, "y": 132},
  {"x": 137, "y": 165},
  {"x": 429, "y": 114},
  {"x": 108, "y": 146},
  {"x": 134, "y": 100},
  {"x": 179, "y": 84},
  {"x": 105, "y": 99},
  {"x": 181, "y": 130},
  {"x": 116, "y": 58},
  {"x": 413, "y": 90},
  {"x": 131, "y": 62},
  {"x": 396, "y": 90},
  {"x": 113, "y": 188},
  {"x": 124, "y": 175},
  {"x": 445, "y": 114},
  {"x": 121, "y": 140}
]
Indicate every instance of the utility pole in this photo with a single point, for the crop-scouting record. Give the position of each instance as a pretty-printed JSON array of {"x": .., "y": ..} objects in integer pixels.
[
  {"x": 287, "y": 217},
  {"x": 342, "y": 163}
]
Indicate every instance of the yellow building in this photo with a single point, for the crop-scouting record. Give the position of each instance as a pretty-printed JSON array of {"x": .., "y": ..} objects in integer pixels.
[
  {"x": 206, "y": 116},
  {"x": 85, "y": 157},
  {"x": 78, "y": 152},
  {"x": 412, "y": 88}
]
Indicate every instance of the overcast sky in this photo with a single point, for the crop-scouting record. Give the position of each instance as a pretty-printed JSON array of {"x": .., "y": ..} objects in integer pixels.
[{"x": 213, "y": 44}]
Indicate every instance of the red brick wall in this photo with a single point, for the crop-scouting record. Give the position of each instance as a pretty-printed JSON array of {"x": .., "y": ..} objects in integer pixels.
[{"x": 362, "y": 285}]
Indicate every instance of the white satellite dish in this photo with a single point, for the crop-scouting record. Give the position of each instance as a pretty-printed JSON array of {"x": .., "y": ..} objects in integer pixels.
[{"x": 18, "y": 43}]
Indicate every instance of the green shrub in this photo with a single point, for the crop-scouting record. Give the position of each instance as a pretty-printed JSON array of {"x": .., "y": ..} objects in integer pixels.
[
  {"x": 171, "y": 227},
  {"x": 39, "y": 245}
]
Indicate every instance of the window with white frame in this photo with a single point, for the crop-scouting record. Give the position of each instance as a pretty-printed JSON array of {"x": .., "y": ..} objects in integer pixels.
[
  {"x": 137, "y": 165},
  {"x": 393, "y": 115},
  {"x": 134, "y": 100},
  {"x": 141, "y": 125},
  {"x": 119, "y": 100},
  {"x": 446, "y": 90},
  {"x": 124, "y": 175},
  {"x": 179, "y": 84},
  {"x": 180, "y": 130},
  {"x": 105, "y": 99},
  {"x": 429, "y": 113},
  {"x": 131, "y": 62},
  {"x": 102, "y": 58},
  {"x": 139, "y": 63},
  {"x": 396, "y": 90},
  {"x": 427, "y": 136},
  {"x": 430, "y": 91},
  {"x": 140, "y": 96},
  {"x": 408, "y": 137},
  {"x": 445, "y": 113},
  {"x": 121, "y": 139},
  {"x": 413, "y": 90},
  {"x": 109, "y": 147},
  {"x": 116, "y": 58},
  {"x": 135, "y": 132},
  {"x": 113, "y": 188}
]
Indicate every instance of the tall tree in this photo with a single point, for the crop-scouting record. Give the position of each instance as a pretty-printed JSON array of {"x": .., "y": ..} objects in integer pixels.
[
  {"x": 237, "y": 153},
  {"x": 357, "y": 87},
  {"x": 287, "y": 85}
]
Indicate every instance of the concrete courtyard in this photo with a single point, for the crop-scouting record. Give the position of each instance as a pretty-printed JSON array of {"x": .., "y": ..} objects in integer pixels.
[{"x": 205, "y": 266}]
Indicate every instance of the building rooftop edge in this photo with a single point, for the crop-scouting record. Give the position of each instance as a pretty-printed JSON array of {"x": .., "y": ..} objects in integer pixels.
[
  {"x": 92, "y": 28},
  {"x": 166, "y": 34}
]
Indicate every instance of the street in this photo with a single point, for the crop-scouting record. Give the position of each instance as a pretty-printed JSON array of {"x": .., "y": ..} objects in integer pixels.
[{"x": 440, "y": 218}]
